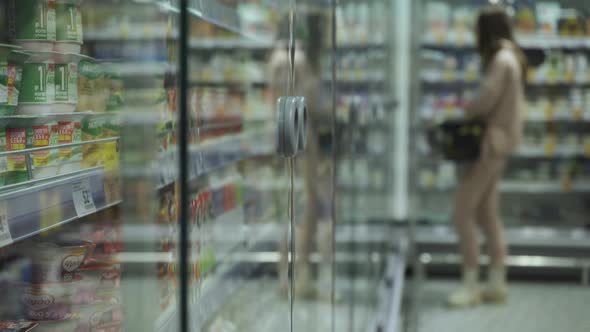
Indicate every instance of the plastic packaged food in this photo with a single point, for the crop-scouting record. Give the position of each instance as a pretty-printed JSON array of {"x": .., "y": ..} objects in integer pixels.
[
  {"x": 33, "y": 23},
  {"x": 70, "y": 131},
  {"x": 16, "y": 139},
  {"x": 57, "y": 263},
  {"x": 44, "y": 132},
  {"x": 17, "y": 326},
  {"x": 92, "y": 129},
  {"x": 67, "y": 324},
  {"x": 46, "y": 301},
  {"x": 3, "y": 161},
  {"x": 98, "y": 282},
  {"x": 69, "y": 33},
  {"x": 11, "y": 71},
  {"x": 37, "y": 95},
  {"x": 92, "y": 92}
]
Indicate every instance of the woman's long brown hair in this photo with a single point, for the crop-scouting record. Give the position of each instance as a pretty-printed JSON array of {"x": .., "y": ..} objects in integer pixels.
[{"x": 494, "y": 32}]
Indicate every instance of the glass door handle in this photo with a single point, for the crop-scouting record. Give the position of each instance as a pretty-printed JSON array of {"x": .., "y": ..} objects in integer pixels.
[
  {"x": 301, "y": 109},
  {"x": 291, "y": 126}
]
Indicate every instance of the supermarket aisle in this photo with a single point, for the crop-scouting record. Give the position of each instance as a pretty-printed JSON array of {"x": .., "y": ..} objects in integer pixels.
[{"x": 533, "y": 307}]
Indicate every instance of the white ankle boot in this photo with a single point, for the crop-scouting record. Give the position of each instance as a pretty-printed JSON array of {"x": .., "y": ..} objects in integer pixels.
[
  {"x": 496, "y": 290},
  {"x": 470, "y": 293}
]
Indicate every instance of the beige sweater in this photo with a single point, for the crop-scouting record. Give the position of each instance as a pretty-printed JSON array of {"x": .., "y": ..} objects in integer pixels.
[{"x": 499, "y": 103}]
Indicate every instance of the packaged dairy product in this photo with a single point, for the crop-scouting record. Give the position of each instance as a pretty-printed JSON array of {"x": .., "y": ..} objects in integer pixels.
[
  {"x": 16, "y": 139},
  {"x": 17, "y": 326},
  {"x": 69, "y": 33},
  {"x": 66, "y": 82},
  {"x": 11, "y": 71},
  {"x": 33, "y": 23},
  {"x": 92, "y": 129},
  {"x": 46, "y": 301},
  {"x": 66, "y": 324},
  {"x": 70, "y": 131},
  {"x": 37, "y": 95},
  {"x": 92, "y": 91},
  {"x": 57, "y": 263},
  {"x": 44, "y": 132},
  {"x": 3, "y": 161}
]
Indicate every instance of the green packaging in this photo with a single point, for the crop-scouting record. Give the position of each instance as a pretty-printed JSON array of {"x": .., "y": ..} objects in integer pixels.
[
  {"x": 34, "y": 23},
  {"x": 11, "y": 63}
]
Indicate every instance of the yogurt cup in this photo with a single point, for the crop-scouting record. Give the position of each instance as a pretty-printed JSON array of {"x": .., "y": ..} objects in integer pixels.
[
  {"x": 57, "y": 263},
  {"x": 70, "y": 131},
  {"x": 37, "y": 95},
  {"x": 33, "y": 23},
  {"x": 66, "y": 82},
  {"x": 11, "y": 70},
  {"x": 69, "y": 34},
  {"x": 46, "y": 301},
  {"x": 98, "y": 283},
  {"x": 16, "y": 139},
  {"x": 95, "y": 317},
  {"x": 44, "y": 132}
]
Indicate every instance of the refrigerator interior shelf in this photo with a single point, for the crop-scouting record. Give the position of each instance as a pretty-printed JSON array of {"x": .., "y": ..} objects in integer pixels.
[
  {"x": 547, "y": 152},
  {"x": 436, "y": 83},
  {"x": 528, "y": 187},
  {"x": 221, "y": 152},
  {"x": 28, "y": 211},
  {"x": 216, "y": 13},
  {"x": 126, "y": 34},
  {"x": 230, "y": 44},
  {"x": 526, "y": 42},
  {"x": 56, "y": 147},
  {"x": 229, "y": 84}
]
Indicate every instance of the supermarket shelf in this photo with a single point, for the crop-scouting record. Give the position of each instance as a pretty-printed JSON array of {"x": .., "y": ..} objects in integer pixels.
[
  {"x": 541, "y": 187},
  {"x": 221, "y": 152},
  {"x": 229, "y": 84},
  {"x": 360, "y": 46},
  {"x": 550, "y": 239},
  {"x": 459, "y": 83},
  {"x": 130, "y": 33},
  {"x": 230, "y": 44},
  {"x": 541, "y": 152},
  {"x": 530, "y": 187},
  {"x": 28, "y": 211},
  {"x": 215, "y": 12},
  {"x": 527, "y": 42}
]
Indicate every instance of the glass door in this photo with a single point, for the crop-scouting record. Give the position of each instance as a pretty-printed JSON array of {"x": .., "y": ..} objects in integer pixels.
[{"x": 88, "y": 162}]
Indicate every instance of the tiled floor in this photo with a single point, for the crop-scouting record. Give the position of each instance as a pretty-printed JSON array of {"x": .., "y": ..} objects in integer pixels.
[{"x": 532, "y": 307}]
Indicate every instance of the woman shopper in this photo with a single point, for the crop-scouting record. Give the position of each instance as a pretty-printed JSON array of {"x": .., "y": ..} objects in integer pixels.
[{"x": 498, "y": 104}]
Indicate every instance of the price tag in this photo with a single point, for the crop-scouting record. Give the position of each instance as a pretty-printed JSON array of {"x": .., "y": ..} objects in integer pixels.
[
  {"x": 5, "y": 237},
  {"x": 82, "y": 197}
]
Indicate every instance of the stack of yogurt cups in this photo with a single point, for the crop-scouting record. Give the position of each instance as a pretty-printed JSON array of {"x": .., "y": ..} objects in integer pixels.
[{"x": 50, "y": 33}]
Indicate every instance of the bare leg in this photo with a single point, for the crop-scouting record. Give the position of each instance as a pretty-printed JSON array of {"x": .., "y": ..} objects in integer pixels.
[{"x": 492, "y": 226}]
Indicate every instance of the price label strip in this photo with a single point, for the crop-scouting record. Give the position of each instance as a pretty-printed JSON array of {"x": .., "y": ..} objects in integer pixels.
[
  {"x": 5, "y": 237},
  {"x": 82, "y": 197}
]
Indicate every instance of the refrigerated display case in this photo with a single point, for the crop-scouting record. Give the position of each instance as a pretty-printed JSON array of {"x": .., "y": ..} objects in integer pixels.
[
  {"x": 544, "y": 197},
  {"x": 154, "y": 175}
]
